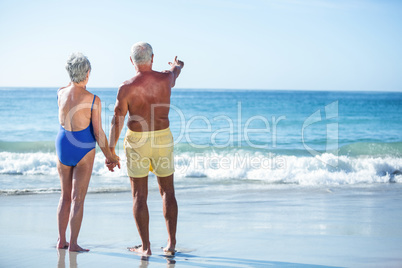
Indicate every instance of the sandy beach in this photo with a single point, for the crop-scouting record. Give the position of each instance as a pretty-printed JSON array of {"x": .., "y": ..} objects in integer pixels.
[{"x": 276, "y": 226}]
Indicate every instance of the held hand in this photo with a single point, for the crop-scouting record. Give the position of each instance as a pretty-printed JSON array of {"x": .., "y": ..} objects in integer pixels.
[
  {"x": 111, "y": 165},
  {"x": 177, "y": 62},
  {"x": 112, "y": 162}
]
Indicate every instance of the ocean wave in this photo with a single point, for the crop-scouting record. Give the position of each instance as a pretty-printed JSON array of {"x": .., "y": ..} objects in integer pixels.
[
  {"x": 236, "y": 165},
  {"x": 327, "y": 169},
  {"x": 29, "y": 191},
  {"x": 28, "y": 163},
  {"x": 372, "y": 149},
  {"x": 375, "y": 149},
  {"x": 58, "y": 190},
  {"x": 27, "y": 146}
]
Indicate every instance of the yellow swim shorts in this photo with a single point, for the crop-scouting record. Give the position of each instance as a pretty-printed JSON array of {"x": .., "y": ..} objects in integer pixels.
[{"x": 149, "y": 151}]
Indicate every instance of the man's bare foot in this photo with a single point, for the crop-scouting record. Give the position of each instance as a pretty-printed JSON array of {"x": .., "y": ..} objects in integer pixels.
[
  {"x": 77, "y": 248},
  {"x": 169, "y": 251},
  {"x": 170, "y": 248},
  {"x": 138, "y": 249},
  {"x": 62, "y": 245}
]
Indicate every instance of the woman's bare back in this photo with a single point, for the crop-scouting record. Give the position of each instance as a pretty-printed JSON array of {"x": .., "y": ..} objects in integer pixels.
[{"x": 74, "y": 107}]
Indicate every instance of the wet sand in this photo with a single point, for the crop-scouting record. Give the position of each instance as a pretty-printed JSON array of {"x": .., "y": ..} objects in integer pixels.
[{"x": 276, "y": 226}]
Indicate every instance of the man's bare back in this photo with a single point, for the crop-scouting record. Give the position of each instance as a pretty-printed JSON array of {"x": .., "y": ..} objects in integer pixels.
[{"x": 148, "y": 97}]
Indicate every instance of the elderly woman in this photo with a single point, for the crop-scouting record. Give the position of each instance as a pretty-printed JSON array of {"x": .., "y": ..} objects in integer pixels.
[{"x": 80, "y": 129}]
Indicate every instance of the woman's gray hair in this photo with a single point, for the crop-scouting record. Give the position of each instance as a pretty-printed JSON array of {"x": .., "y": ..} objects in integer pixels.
[
  {"x": 77, "y": 67},
  {"x": 141, "y": 53}
]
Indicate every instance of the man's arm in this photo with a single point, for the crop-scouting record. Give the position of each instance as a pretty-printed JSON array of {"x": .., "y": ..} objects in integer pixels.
[
  {"x": 120, "y": 111},
  {"x": 176, "y": 67}
]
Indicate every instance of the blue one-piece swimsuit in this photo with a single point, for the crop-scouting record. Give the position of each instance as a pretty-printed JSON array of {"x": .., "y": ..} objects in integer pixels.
[{"x": 72, "y": 146}]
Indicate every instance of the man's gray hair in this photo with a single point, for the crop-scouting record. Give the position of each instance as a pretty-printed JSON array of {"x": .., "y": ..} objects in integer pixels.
[
  {"x": 141, "y": 53},
  {"x": 77, "y": 67}
]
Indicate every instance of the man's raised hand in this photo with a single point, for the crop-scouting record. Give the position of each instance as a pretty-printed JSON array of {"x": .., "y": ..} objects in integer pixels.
[{"x": 176, "y": 62}]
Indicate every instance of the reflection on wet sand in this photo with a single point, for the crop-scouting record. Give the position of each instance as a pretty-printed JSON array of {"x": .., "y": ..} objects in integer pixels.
[{"x": 61, "y": 262}]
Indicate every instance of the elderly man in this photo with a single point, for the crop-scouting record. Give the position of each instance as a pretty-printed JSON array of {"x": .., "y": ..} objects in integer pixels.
[{"x": 148, "y": 142}]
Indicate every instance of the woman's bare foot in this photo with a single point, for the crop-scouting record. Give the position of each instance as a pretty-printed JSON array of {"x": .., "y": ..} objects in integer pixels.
[
  {"x": 138, "y": 249},
  {"x": 62, "y": 244},
  {"x": 77, "y": 248}
]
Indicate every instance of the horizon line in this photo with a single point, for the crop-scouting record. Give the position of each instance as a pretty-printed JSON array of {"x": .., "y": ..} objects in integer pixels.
[{"x": 226, "y": 89}]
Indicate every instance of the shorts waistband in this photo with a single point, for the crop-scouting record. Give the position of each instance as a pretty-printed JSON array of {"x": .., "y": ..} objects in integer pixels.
[{"x": 144, "y": 134}]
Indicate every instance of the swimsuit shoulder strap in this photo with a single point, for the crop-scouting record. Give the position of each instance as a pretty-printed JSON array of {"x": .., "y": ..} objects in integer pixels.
[
  {"x": 93, "y": 103},
  {"x": 92, "y": 107}
]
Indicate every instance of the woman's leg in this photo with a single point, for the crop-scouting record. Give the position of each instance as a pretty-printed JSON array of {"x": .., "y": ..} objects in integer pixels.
[
  {"x": 63, "y": 210},
  {"x": 81, "y": 176}
]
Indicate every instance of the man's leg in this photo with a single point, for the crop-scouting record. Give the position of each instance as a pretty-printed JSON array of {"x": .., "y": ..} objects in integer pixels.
[
  {"x": 170, "y": 210},
  {"x": 139, "y": 189},
  {"x": 81, "y": 176},
  {"x": 63, "y": 210}
]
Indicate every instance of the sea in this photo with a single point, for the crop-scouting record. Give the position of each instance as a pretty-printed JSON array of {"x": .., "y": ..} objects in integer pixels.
[{"x": 224, "y": 138}]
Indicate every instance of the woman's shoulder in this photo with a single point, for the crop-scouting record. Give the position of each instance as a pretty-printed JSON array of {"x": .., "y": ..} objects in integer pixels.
[
  {"x": 61, "y": 88},
  {"x": 93, "y": 98},
  {"x": 87, "y": 95},
  {"x": 61, "y": 93}
]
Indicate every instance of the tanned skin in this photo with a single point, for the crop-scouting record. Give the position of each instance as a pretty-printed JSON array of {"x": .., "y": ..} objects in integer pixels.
[
  {"x": 146, "y": 98},
  {"x": 74, "y": 115}
]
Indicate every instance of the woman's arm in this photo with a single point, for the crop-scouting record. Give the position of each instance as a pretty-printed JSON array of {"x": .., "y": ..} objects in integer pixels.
[{"x": 100, "y": 136}]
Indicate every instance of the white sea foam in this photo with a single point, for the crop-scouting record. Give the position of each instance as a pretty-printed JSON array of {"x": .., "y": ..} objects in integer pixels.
[
  {"x": 28, "y": 163},
  {"x": 291, "y": 169},
  {"x": 237, "y": 165}
]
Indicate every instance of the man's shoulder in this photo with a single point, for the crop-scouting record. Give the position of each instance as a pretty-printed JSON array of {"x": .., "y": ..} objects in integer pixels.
[
  {"x": 165, "y": 73},
  {"x": 124, "y": 90},
  {"x": 164, "y": 76},
  {"x": 128, "y": 84}
]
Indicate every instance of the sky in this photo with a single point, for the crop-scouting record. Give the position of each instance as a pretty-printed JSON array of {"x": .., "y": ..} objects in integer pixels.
[{"x": 225, "y": 44}]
